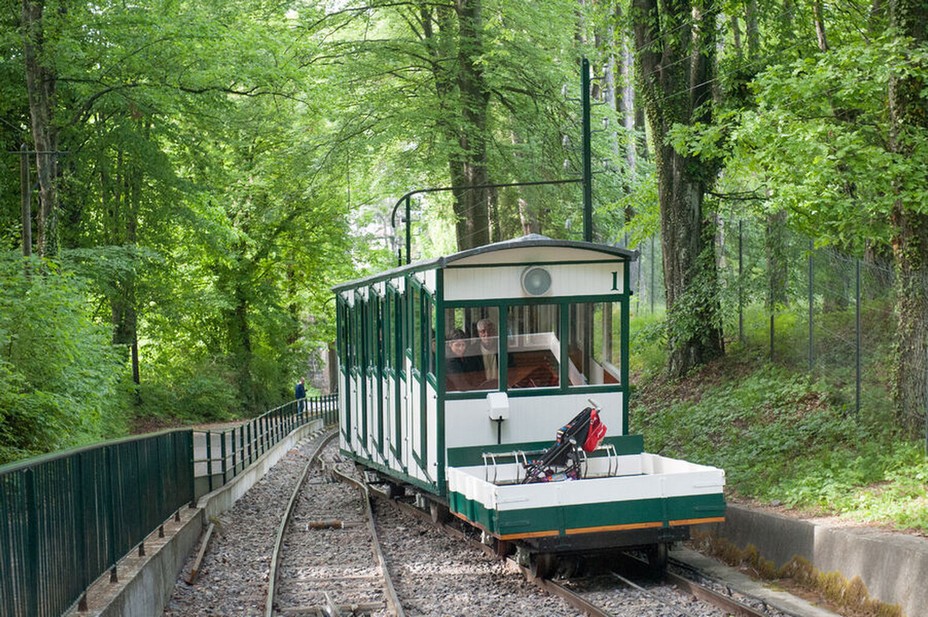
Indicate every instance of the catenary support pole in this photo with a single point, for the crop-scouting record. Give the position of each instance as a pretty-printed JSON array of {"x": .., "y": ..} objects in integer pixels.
[{"x": 587, "y": 152}]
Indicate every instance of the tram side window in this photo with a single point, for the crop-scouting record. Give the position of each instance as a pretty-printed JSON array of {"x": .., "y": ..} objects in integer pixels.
[
  {"x": 415, "y": 327},
  {"x": 351, "y": 340},
  {"x": 376, "y": 357},
  {"x": 343, "y": 331},
  {"x": 386, "y": 328},
  {"x": 534, "y": 346},
  {"x": 432, "y": 342},
  {"x": 595, "y": 343},
  {"x": 402, "y": 322},
  {"x": 360, "y": 336}
]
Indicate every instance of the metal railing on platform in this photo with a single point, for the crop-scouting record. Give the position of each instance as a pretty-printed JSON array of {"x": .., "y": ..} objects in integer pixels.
[
  {"x": 220, "y": 455},
  {"x": 67, "y": 518}
]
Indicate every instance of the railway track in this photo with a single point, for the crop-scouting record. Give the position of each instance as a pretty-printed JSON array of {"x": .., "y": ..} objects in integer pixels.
[
  {"x": 618, "y": 592},
  {"x": 322, "y": 560},
  {"x": 627, "y": 590},
  {"x": 311, "y": 574}
]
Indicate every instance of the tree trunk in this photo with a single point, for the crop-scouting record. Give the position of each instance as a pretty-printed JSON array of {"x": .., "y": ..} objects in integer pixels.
[
  {"x": 40, "y": 85},
  {"x": 910, "y": 227},
  {"x": 676, "y": 54},
  {"x": 752, "y": 28},
  {"x": 464, "y": 95},
  {"x": 818, "y": 13},
  {"x": 736, "y": 36},
  {"x": 469, "y": 167},
  {"x": 121, "y": 194}
]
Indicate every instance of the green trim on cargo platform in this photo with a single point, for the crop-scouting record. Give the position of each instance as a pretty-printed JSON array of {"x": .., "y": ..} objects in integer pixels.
[{"x": 663, "y": 511}]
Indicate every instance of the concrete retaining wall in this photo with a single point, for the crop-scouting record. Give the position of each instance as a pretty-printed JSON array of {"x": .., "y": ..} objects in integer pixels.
[
  {"x": 146, "y": 583},
  {"x": 892, "y": 566}
]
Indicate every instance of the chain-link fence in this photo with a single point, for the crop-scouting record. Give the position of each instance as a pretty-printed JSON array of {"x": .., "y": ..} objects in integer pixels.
[{"x": 816, "y": 309}]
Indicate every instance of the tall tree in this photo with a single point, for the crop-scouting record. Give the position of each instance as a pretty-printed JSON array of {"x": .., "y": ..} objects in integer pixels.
[
  {"x": 41, "y": 84},
  {"x": 465, "y": 97},
  {"x": 675, "y": 42},
  {"x": 908, "y": 109}
]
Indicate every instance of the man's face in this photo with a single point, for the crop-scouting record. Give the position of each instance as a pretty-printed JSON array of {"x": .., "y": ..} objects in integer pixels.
[{"x": 487, "y": 335}]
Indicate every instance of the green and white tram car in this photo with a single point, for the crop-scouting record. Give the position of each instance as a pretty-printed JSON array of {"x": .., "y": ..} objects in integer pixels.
[{"x": 455, "y": 372}]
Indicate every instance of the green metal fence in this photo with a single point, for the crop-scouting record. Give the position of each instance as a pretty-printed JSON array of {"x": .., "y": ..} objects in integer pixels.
[
  {"x": 807, "y": 308},
  {"x": 67, "y": 518},
  {"x": 220, "y": 455}
]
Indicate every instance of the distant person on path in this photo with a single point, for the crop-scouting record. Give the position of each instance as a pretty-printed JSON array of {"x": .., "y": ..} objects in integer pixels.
[{"x": 300, "y": 394}]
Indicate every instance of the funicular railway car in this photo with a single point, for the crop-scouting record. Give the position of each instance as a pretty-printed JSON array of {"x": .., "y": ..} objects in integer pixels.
[{"x": 456, "y": 374}]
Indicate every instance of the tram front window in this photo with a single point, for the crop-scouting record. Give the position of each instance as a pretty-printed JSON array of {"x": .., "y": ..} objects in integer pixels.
[
  {"x": 534, "y": 347},
  {"x": 595, "y": 343},
  {"x": 471, "y": 349}
]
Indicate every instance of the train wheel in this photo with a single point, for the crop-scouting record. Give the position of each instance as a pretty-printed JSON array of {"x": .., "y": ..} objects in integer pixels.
[
  {"x": 570, "y": 566},
  {"x": 543, "y": 565},
  {"x": 439, "y": 512},
  {"x": 394, "y": 490},
  {"x": 503, "y": 548},
  {"x": 658, "y": 554}
]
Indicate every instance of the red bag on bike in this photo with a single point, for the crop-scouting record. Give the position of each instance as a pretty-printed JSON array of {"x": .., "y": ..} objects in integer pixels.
[{"x": 596, "y": 432}]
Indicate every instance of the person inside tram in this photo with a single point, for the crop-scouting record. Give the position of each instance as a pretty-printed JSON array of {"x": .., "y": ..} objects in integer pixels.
[
  {"x": 489, "y": 352},
  {"x": 463, "y": 369},
  {"x": 489, "y": 348}
]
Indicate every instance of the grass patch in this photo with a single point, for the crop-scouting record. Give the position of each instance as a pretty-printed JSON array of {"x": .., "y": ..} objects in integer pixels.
[{"x": 782, "y": 436}]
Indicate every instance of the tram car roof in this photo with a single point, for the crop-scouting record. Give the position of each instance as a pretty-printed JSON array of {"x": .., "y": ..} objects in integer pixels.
[{"x": 489, "y": 254}]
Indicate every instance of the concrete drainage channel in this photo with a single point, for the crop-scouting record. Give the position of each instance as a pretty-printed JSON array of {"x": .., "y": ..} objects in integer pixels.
[
  {"x": 146, "y": 583},
  {"x": 890, "y": 565}
]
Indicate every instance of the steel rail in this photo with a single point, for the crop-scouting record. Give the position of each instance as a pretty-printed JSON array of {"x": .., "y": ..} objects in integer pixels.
[
  {"x": 699, "y": 591},
  {"x": 274, "y": 572},
  {"x": 393, "y": 600},
  {"x": 703, "y": 593},
  {"x": 573, "y": 599},
  {"x": 729, "y": 605}
]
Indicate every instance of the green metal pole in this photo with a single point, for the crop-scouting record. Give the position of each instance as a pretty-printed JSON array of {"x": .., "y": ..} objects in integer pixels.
[
  {"x": 857, "y": 337},
  {"x": 740, "y": 282},
  {"x": 811, "y": 306},
  {"x": 587, "y": 152},
  {"x": 408, "y": 229}
]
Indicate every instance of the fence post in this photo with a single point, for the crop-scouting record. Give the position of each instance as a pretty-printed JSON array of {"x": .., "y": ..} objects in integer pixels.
[
  {"x": 223, "y": 450},
  {"x": 651, "y": 285},
  {"x": 32, "y": 551},
  {"x": 209, "y": 460},
  {"x": 111, "y": 472},
  {"x": 772, "y": 315},
  {"x": 249, "y": 443},
  {"x": 138, "y": 510},
  {"x": 740, "y": 282},
  {"x": 234, "y": 453},
  {"x": 80, "y": 494},
  {"x": 811, "y": 306},
  {"x": 857, "y": 318}
]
